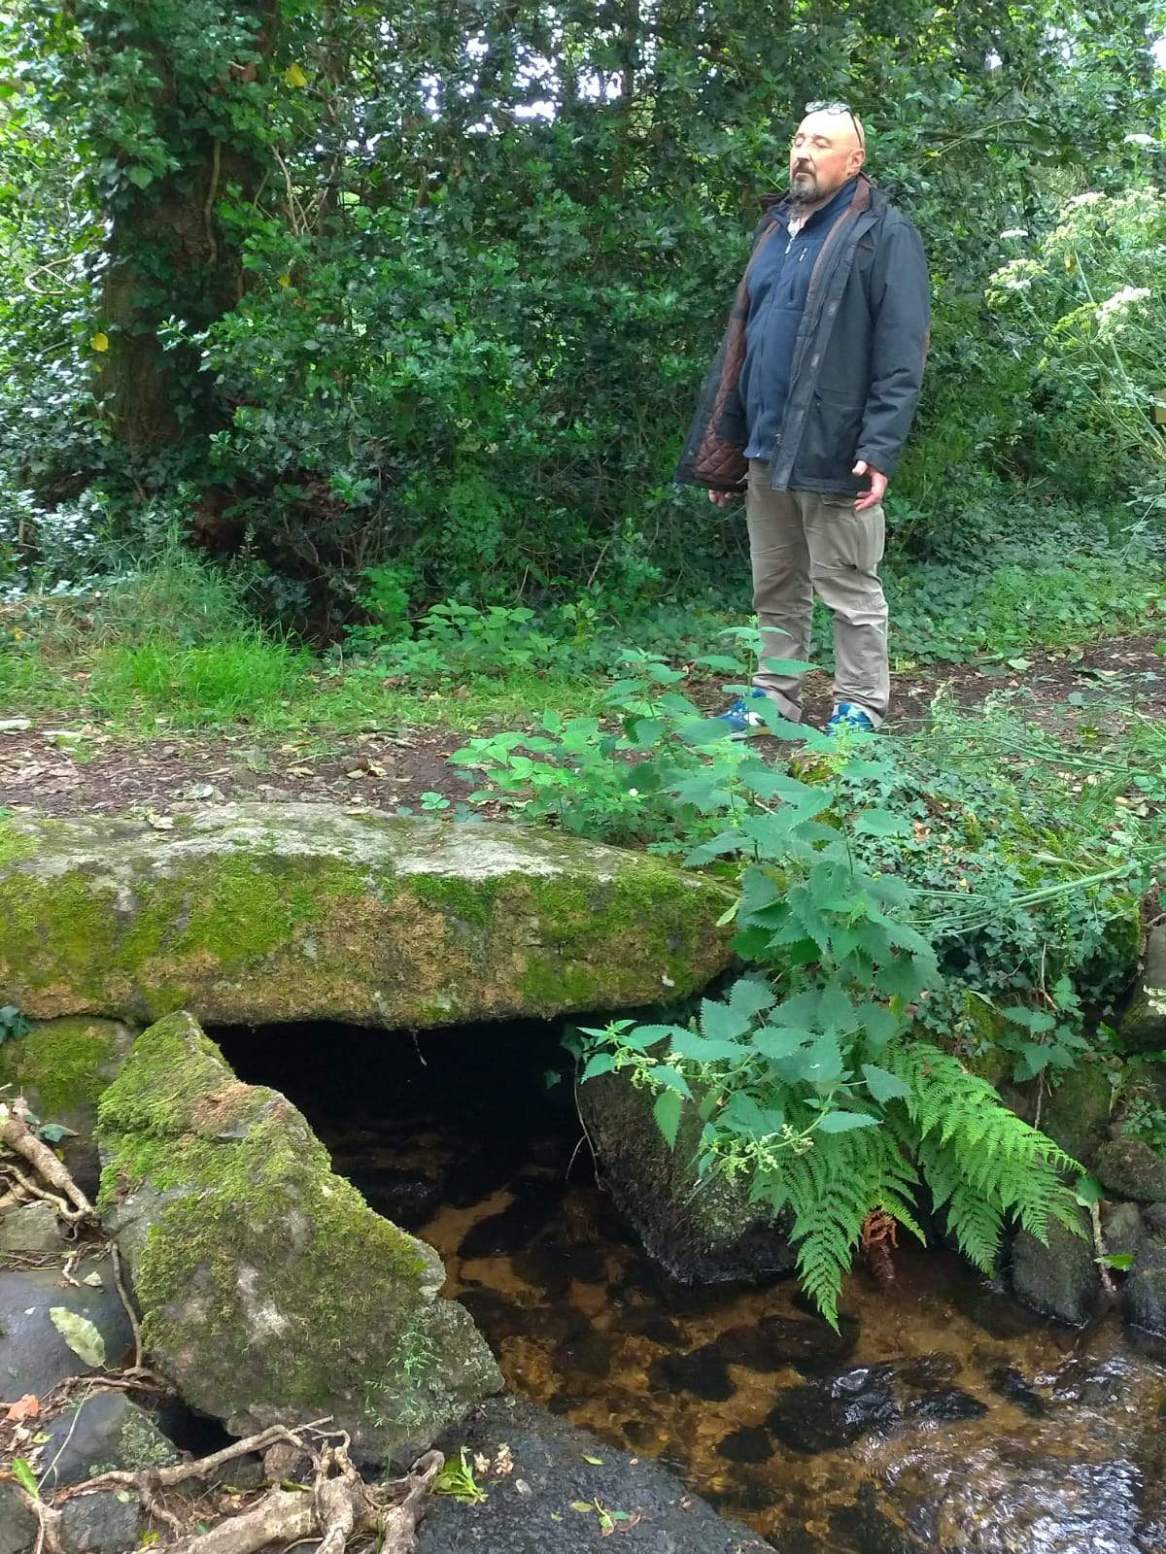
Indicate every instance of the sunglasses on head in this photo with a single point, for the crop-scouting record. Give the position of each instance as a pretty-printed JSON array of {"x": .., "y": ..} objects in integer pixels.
[{"x": 838, "y": 107}]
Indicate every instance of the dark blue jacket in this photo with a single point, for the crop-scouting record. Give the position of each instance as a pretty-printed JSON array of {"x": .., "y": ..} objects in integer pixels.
[
  {"x": 778, "y": 284},
  {"x": 857, "y": 365}
]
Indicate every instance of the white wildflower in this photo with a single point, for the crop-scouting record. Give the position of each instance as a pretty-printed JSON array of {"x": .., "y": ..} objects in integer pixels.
[
  {"x": 1091, "y": 198},
  {"x": 1139, "y": 140},
  {"x": 1113, "y": 308},
  {"x": 1015, "y": 232}
]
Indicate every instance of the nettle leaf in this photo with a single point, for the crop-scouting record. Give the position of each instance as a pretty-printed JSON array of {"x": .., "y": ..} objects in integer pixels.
[
  {"x": 1034, "y": 1019},
  {"x": 671, "y": 1078},
  {"x": 884, "y": 1086},
  {"x": 667, "y": 1114},
  {"x": 601, "y": 1063},
  {"x": 878, "y": 1024},
  {"x": 750, "y": 996},
  {"x": 742, "y": 1114},
  {"x": 821, "y": 1063},
  {"x": 722, "y": 1021},
  {"x": 846, "y": 1122},
  {"x": 779, "y": 1042},
  {"x": 645, "y": 1036},
  {"x": 702, "y": 1049},
  {"x": 835, "y": 1010}
]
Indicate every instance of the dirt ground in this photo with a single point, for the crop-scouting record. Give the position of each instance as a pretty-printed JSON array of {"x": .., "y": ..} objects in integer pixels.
[{"x": 59, "y": 767}]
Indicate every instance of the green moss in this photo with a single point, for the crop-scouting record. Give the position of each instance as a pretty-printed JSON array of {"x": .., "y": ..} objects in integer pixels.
[
  {"x": 65, "y": 1064},
  {"x": 14, "y": 844}
]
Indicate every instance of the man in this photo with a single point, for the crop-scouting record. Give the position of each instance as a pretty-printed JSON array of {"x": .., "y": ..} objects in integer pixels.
[{"x": 807, "y": 408}]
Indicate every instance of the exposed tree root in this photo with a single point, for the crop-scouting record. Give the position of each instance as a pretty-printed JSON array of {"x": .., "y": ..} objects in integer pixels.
[{"x": 16, "y": 1135}]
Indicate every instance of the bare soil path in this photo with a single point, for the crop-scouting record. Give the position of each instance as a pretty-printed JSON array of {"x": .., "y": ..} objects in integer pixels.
[{"x": 69, "y": 767}]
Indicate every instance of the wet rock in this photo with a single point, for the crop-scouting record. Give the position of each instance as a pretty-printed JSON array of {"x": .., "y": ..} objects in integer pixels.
[
  {"x": 269, "y": 1289},
  {"x": 926, "y": 1372},
  {"x": 1076, "y": 1114},
  {"x": 502, "y": 1234},
  {"x": 642, "y": 1434},
  {"x": 1061, "y": 1279},
  {"x": 645, "y": 1322},
  {"x": 1121, "y": 1228},
  {"x": 708, "y": 1236},
  {"x": 105, "y": 1430},
  {"x": 702, "y": 1372},
  {"x": 810, "y": 1346},
  {"x": 1000, "y": 1316},
  {"x": 1143, "y": 1026},
  {"x": 554, "y": 1266},
  {"x": 264, "y": 913},
  {"x": 1129, "y": 1168},
  {"x": 550, "y": 1459},
  {"x": 945, "y": 1407},
  {"x": 746, "y": 1446},
  {"x": 31, "y": 1228},
  {"x": 34, "y": 1356},
  {"x": 18, "y": 1525},
  {"x": 406, "y": 1198},
  {"x": 836, "y": 1411},
  {"x": 105, "y": 1522},
  {"x": 1010, "y": 1384},
  {"x": 590, "y": 1354},
  {"x": 867, "y": 1530},
  {"x": 1144, "y": 1291}
]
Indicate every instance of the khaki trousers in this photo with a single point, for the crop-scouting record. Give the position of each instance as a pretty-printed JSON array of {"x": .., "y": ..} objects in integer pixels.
[{"x": 807, "y": 542}]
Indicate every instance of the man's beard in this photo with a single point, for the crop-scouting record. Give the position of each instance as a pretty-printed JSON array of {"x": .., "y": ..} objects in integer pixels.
[{"x": 804, "y": 192}]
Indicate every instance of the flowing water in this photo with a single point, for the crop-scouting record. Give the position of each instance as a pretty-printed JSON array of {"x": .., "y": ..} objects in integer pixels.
[{"x": 942, "y": 1416}]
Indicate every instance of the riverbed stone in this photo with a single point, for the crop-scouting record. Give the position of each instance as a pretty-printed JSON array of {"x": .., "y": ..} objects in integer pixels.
[
  {"x": 532, "y": 1509},
  {"x": 1058, "y": 1277},
  {"x": 61, "y": 1067},
  {"x": 269, "y": 1290},
  {"x": 1129, "y": 1168},
  {"x": 31, "y": 1228},
  {"x": 698, "y": 1231},
  {"x": 261, "y": 913},
  {"x": 1143, "y": 1026},
  {"x": 105, "y": 1430},
  {"x": 34, "y": 1356}
]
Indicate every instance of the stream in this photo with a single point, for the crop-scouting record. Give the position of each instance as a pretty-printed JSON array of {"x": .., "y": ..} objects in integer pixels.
[{"x": 942, "y": 1416}]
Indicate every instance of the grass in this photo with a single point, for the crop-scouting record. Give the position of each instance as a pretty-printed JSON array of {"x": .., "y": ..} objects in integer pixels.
[{"x": 175, "y": 646}]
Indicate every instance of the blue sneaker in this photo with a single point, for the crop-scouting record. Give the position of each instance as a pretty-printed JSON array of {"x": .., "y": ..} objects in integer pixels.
[
  {"x": 739, "y": 719},
  {"x": 847, "y": 715}
]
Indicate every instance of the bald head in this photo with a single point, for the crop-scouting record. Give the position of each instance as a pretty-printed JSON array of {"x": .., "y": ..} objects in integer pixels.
[{"x": 828, "y": 148}]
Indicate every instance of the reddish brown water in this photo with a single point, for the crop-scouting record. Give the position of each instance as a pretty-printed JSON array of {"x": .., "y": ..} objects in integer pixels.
[{"x": 942, "y": 1417}]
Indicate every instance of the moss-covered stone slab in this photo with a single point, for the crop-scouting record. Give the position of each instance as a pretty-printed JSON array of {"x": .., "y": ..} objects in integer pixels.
[
  {"x": 259, "y": 913},
  {"x": 1143, "y": 1026},
  {"x": 269, "y": 1290}
]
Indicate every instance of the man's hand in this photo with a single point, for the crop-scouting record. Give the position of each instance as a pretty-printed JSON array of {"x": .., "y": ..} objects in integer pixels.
[
  {"x": 721, "y": 498},
  {"x": 878, "y": 486}
]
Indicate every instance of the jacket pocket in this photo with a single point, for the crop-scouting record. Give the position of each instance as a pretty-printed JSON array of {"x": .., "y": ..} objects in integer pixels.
[{"x": 831, "y": 438}]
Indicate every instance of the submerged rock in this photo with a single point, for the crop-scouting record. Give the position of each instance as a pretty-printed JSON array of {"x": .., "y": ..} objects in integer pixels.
[
  {"x": 269, "y": 1290},
  {"x": 1060, "y": 1279},
  {"x": 260, "y": 913},
  {"x": 699, "y": 1232},
  {"x": 562, "y": 1486}
]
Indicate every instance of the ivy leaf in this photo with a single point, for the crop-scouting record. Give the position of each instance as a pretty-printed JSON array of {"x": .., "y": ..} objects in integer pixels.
[
  {"x": 140, "y": 177},
  {"x": 846, "y": 1122},
  {"x": 667, "y": 1114},
  {"x": 881, "y": 822},
  {"x": 79, "y": 1333},
  {"x": 882, "y": 1085}
]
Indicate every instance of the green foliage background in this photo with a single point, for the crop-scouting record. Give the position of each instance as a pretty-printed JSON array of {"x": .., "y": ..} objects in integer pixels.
[{"x": 355, "y": 286}]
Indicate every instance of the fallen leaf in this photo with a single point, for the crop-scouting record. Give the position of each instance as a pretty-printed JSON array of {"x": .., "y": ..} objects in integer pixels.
[
  {"x": 27, "y": 1407},
  {"x": 79, "y": 1333},
  {"x": 596, "y": 1462}
]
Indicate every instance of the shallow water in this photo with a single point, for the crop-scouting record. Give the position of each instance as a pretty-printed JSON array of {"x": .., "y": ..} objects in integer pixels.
[{"x": 943, "y": 1416}]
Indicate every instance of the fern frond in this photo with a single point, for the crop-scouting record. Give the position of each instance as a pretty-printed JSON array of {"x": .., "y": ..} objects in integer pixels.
[
  {"x": 979, "y": 1159},
  {"x": 832, "y": 1189}
]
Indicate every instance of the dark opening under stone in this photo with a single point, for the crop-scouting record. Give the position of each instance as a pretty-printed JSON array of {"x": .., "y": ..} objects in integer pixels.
[{"x": 746, "y": 1446}]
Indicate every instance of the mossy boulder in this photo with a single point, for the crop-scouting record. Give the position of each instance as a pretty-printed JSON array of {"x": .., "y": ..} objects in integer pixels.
[
  {"x": 1058, "y": 1276},
  {"x": 260, "y": 913},
  {"x": 269, "y": 1290},
  {"x": 1129, "y": 1168},
  {"x": 61, "y": 1067},
  {"x": 1143, "y": 1026},
  {"x": 699, "y": 1231},
  {"x": 1076, "y": 1114}
]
